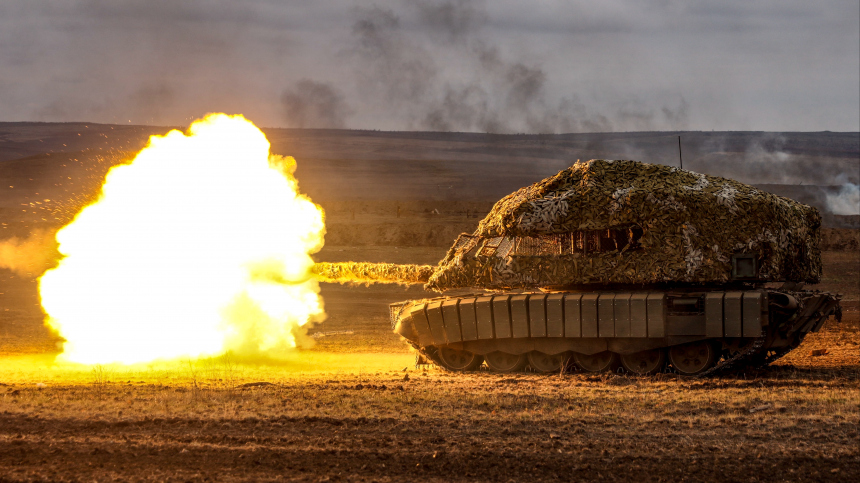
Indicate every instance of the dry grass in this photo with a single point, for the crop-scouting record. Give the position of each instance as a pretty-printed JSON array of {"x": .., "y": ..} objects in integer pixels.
[
  {"x": 346, "y": 410},
  {"x": 793, "y": 394},
  {"x": 357, "y": 416},
  {"x": 220, "y": 420},
  {"x": 841, "y": 274}
]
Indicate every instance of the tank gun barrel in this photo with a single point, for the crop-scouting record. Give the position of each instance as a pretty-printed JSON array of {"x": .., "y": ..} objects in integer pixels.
[{"x": 360, "y": 272}]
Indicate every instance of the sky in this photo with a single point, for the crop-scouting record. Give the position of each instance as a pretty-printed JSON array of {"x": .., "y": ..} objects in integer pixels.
[{"x": 500, "y": 66}]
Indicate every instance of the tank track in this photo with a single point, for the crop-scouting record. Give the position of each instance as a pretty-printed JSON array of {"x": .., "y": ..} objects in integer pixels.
[
  {"x": 741, "y": 360},
  {"x": 737, "y": 360},
  {"x": 781, "y": 327},
  {"x": 775, "y": 356}
]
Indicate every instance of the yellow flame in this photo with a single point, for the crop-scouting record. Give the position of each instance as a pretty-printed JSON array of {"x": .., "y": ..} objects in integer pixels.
[
  {"x": 201, "y": 245},
  {"x": 364, "y": 272}
]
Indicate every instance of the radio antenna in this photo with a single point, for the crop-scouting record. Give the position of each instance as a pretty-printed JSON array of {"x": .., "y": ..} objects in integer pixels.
[{"x": 680, "y": 158}]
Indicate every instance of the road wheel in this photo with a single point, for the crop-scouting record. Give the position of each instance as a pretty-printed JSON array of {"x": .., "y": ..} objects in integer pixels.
[
  {"x": 541, "y": 362},
  {"x": 693, "y": 358},
  {"x": 457, "y": 360},
  {"x": 504, "y": 362},
  {"x": 645, "y": 362},
  {"x": 601, "y": 362}
]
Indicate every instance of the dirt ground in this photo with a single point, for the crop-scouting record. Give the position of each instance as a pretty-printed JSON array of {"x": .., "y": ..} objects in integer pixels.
[
  {"x": 356, "y": 408},
  {"x": 783, "y": 424}
]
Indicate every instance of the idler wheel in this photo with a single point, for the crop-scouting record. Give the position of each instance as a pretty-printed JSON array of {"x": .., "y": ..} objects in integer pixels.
[
  {"x": 457, "y": 360},
  {"x": 504, "y": 362},
  {"x": 601, "y": 362},
  {"x": 645, "y": 362},
  {"x": 693, "y": 358},
  {"x": 541, "y": 362}
]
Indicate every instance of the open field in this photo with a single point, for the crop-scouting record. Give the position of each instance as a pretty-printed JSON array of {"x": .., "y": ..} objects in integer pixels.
[
  {"x": 355, "y": 408},
  {"x": 359, "y": 419},
  {"x": 352, "y": 405}
]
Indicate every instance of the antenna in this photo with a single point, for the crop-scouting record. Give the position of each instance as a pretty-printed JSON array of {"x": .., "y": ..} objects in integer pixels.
[{"x": 680, "y": 158}]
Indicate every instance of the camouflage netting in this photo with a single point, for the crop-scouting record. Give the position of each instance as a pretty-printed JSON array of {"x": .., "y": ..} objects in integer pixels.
[
  {"x": 628, "y": 222},
  {"x": 359, "y": 272}
]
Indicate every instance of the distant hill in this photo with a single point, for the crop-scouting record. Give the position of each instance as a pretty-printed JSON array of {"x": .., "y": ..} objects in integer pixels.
[{"x": 65, "y": 162}]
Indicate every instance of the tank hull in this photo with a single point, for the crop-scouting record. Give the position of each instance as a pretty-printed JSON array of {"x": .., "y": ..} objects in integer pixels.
[{"x": 696, "y": 331}]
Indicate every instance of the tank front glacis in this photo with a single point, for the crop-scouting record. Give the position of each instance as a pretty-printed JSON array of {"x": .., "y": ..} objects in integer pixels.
[{"x": 626, "y": 222}]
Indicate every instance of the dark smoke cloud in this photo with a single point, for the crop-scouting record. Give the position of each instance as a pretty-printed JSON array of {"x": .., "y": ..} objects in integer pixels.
[
  {"x": 455, "y": 19},
  {"x": 314, "y": 104},
  {"x": 389, "y": 65},
  {"x": 478, "y": 65},
  {"x": 395, "y": 64},
  {"x": 466, "y": 106}
]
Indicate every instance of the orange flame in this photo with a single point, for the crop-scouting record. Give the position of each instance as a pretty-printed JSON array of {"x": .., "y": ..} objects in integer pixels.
[{"x": 200, "y": 246}]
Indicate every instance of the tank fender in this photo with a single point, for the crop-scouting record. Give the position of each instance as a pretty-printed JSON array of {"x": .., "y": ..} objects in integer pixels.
[
  {"x": 830, "y": 307},
  {"x": 404, "y": 328}
]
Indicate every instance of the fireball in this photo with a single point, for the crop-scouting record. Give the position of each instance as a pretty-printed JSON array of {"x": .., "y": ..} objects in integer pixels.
[{"x": 201, "y": 245}]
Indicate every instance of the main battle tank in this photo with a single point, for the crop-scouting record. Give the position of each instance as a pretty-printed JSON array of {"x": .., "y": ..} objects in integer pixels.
[{"x": 611, "y": 264}]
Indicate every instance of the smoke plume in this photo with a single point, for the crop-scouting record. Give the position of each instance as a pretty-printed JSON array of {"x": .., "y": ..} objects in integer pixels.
[
  {"x": 473, "y": 65},
  {"x": 769, "y": 159},
  {"x": 314, "y": 104},
  {"x": 32, "y": 256},
  {"x": 447, "y": 75},
  {"x": 846, "y": 202}
]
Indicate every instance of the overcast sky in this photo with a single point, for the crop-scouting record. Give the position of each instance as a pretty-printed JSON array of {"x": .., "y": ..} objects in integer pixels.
[{"x": 495, "y": 65}]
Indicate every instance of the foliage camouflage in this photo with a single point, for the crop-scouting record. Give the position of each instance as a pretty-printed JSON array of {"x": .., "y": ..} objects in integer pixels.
[{"x": 689, "y": 226}]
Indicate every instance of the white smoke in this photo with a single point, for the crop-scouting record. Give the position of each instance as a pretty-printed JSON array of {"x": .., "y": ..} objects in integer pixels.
[{"x": 846, "y": 201}]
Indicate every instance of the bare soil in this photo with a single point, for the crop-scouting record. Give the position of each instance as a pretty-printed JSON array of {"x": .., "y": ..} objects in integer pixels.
[
  {"x": 785, "y": 423},
  {"x": 354, "y": 407}
]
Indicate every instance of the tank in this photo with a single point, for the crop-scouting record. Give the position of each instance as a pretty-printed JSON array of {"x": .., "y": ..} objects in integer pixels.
[{"x": 614, "y": 264}]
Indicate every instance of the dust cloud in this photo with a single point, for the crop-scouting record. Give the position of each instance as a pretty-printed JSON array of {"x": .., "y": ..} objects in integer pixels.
[
  {"x": 32, "y": 256},
  {"x": 770, "y": 158},
  {"x": 846, "y": 202}
]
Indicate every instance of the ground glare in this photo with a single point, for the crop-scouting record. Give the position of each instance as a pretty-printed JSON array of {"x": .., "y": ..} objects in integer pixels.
[{"x": 214, "y": 420}]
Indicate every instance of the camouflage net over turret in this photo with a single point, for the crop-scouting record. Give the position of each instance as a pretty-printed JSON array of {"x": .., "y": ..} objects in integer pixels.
[{"x": 626, "y": 222}]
